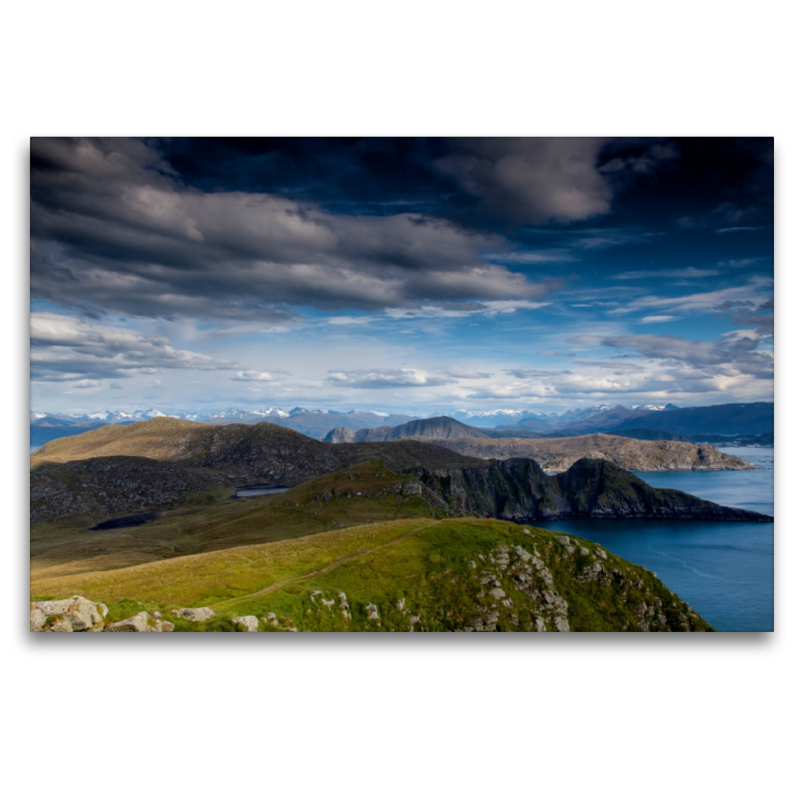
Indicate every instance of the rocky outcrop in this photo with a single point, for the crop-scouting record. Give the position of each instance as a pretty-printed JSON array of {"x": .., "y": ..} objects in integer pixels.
[
  {"x": 529, "y": 581},
  {"x": 73, "y": 615}
]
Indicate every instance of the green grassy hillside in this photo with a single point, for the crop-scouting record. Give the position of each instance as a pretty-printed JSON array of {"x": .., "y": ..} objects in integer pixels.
[
  {"x": 411, "y": 574},
  {"x": 360, "y": 494}
]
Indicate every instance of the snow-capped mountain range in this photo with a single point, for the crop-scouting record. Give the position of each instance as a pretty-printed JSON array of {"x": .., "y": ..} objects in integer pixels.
[{"x": 484, "y": 419}]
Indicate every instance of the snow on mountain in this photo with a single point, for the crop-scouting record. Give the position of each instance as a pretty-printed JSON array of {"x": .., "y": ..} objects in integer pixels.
[{"x": 149, "y": 414}]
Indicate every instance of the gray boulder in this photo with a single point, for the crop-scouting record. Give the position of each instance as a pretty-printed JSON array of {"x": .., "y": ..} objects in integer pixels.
[
  {"x": 75, "y": 614},
  {"x": 141, "y": 623},
  {"x": 248, "y": 623},
  {"x": 194, "y": 614}
]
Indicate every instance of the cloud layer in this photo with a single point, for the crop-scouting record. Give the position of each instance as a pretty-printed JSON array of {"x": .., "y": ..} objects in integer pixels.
[
  {"x": 69, "y": 349},
  {"x": 113, "y": 228}
]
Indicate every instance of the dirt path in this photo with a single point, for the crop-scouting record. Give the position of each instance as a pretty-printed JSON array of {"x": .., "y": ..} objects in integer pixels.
[{"x": 220, "y": 606}]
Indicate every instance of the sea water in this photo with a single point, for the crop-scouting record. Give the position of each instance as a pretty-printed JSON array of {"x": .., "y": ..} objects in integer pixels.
[{"x": 724, "y": 570}]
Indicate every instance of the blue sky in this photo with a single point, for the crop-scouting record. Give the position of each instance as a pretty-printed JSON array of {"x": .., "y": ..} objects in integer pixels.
[{"x": 408, "y": 275}]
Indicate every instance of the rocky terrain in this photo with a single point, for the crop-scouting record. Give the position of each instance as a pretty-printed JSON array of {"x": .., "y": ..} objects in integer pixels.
[
  {"x": 98, "y": 487},
  {"x": 557, "y": 455},
  {"x": 518, "y": 489}
]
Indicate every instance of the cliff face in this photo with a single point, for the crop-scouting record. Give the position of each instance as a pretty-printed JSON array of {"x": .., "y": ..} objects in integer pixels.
[
  {"x": 519, "y": 490},
  {"x": 594, "y": 488}
]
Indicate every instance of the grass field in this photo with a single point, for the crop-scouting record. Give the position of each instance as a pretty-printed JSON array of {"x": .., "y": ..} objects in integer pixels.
[
  {"x": 419, "y": 574},
  {"x": 358, "y": 495}
]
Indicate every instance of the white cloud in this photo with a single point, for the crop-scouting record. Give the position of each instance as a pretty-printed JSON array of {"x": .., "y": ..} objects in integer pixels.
[
  {"x": 252, "y": 375},
  {"x": 67, "y": 348}
]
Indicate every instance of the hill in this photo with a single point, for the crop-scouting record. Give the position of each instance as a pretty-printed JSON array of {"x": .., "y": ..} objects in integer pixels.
[
  {"x": 435, "y": 428},
  {"x": 557, "y": 455},
  {"x": 746, "y": 440},
  {"x": 408, "y": 575},
  {"x": 518, "y": 489},
  {"x": 360, "y": 494},
  {"x": 732, "y": 419},
  {"x": 237, "y": 453},
  {"x": 204, "y": 458}
]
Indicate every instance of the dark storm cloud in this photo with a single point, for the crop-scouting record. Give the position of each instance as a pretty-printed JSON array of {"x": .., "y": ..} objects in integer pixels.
[
  {"x": 112, "y": 226},
  {"x": 532, "y": 180},
  {"x": 542, "y": 180},
  {"x": 732, "y": 354},
  {"x": 66, "y": 349},
  {"x": 745, "y": 312}
]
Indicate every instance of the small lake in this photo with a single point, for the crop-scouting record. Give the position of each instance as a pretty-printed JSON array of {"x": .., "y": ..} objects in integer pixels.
[
  {"x": 258, "y": 490},
  {"x": 724, "y": 570}
]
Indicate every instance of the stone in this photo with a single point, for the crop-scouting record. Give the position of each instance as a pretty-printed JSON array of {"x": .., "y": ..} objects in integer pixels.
[
  {"x": 83, "y": 614},
  {"x": 194, "y": 614},
  {"x": 139, "y": 623},
  {"x": 54, "y": 607},
  {"x": 75, "y": 614},
  {"x": 602, "y": 554},
  {"x": 497, "y": 593},
  {"x": 400, "y": 604},
  {"x": 38, "y": 618},
  {"x": 249, "y": 623},
  {"x": 372, "y": 611},
  {"x": 562, "y": 539},
  {"x": 522, "y": 553}
]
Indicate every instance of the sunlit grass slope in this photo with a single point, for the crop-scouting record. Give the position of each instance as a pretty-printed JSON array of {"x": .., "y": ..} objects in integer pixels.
[
  {"x": 410, "y": 574},
  {"x": 358, "y": 495}
]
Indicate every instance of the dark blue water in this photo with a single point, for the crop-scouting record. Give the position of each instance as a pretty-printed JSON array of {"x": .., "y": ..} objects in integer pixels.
[{"x": 724, "y": 570}]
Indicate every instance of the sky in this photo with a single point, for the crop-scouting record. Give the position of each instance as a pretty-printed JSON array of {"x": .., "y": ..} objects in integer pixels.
[{"x": 415, "y": 276}]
